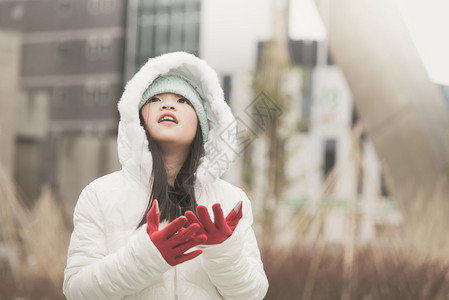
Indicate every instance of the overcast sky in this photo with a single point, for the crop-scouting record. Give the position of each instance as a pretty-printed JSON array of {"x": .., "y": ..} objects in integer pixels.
[{"x": 427, "y": 21}]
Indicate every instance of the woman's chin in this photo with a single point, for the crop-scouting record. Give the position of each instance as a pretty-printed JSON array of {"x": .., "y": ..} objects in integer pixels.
[{"x": 173, "y": 141}]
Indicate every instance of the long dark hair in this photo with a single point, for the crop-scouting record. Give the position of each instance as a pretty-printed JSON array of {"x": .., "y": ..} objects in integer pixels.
[{"x": 174, "y": 200}]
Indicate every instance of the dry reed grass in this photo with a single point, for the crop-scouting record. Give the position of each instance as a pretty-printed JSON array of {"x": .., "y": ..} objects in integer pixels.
[
  {"x": 426, "y": 228},
  {"x": 36, "y": 240},
  {"x": 409, "y": 266},
  {"x": 13, "y": 214},
  {"x": 405, "y": 262},
  {"x": 400, "y": 277}
]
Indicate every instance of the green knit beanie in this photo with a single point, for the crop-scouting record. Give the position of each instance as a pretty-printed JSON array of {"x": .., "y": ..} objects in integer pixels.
[{"x": 177, "y": 85}]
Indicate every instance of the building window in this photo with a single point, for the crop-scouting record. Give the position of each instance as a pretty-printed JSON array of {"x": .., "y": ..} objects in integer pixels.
[
  {"x": 98, "y": 48},
  {"x": 304, "y": 52},
  {"x": 177, "y": 34},
  {"x": 103, "y": 92},
  {"x": 59, "y": 95},
  {"x": 330, "y": 156},
  {"x": 192, "y": 31},
  {"x": 162, "y": 33},
  {"x": 106, "y": 48},
  {"x": 100, "y": 6},
  {"x": 108, "y": 5},
  {"x": 166, "y": 26},
  {"x": 96, "y": 93},
  {"x": 64, "y": 5},
  {"x": 90, "y": 94},
  {"x": 63, "y": 49}
]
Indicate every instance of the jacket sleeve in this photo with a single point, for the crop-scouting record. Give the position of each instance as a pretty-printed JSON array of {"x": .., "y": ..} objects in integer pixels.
[
  {"x": 92, "y": 272},
  {"x": 235, "y": 266}
]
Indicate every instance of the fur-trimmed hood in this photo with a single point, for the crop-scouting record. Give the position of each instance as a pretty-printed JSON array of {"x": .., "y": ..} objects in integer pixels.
[{"x": 133, "y": 150}]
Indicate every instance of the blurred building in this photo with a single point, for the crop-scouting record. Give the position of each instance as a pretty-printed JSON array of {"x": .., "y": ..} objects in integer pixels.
[
  {"x": 322, "y": 114},
  {"x": 445, "y": 90},
  {"x": 403, "y": 109},
  {"x": 71, "y": 75},
  {"x": 76, "y": 56},
  {"x": 9, "y": 91},
  {"x": 156, "y": 27}
]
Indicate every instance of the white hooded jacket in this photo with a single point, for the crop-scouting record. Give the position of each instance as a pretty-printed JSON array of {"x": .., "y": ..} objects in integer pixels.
[{"x": 109, "y": 259}]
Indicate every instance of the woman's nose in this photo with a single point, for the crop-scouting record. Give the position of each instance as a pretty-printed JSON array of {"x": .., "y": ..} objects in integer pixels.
[{"x": 168, "y": 106}]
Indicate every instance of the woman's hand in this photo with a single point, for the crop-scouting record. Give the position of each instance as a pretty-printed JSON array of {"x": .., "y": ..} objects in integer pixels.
[
  {"x": 219, "y": 231},
  {"x": 174, "y": 240}
]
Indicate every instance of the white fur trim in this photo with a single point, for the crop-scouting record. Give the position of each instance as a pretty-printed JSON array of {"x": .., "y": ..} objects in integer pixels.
[{"x": 132, "y": 144}]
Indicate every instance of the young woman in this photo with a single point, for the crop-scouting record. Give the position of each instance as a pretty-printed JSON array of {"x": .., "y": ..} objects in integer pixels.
[{"x": 165, "y": 226}]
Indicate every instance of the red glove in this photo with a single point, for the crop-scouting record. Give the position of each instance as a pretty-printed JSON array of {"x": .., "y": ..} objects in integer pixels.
[
  {"x": 174, "y": 240},
  {"x": 222, "y": 229}
]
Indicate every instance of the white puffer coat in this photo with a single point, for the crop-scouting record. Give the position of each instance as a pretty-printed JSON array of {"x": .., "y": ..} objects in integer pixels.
[{"x": 109, "y": 259}]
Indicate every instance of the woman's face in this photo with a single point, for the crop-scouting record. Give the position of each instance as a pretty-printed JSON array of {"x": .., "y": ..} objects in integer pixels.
[{"x": 170, "y": 119}]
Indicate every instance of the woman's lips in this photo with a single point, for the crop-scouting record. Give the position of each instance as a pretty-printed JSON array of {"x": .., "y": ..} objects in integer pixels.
[{"x": 168, "y": 118}]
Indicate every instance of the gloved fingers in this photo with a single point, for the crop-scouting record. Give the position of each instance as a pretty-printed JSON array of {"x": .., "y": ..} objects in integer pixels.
[
  {"x": 191, "y": 218},
  {"x": 197, "y": 240},
  {"x": 233, "y": 218},
  {"x": 219, "y": 220},
  {"x": 173, "y": 227},
  {"x": 153, "y": 217},
  {"x": 233, "y": 224},
  {"x": 203, "y": 216},
  {"x": 184, "y": 235},
  {"x": 188, "y": 256}
]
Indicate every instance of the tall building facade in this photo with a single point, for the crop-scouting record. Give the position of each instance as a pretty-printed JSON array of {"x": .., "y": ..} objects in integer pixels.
[
  {"x": 9, "y": 93},
  {"x": 155, "y": 27},
  {"x": 71, "y": 76}
]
